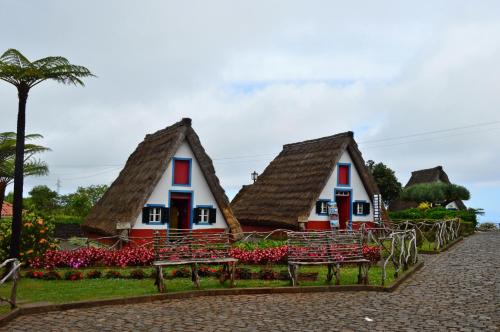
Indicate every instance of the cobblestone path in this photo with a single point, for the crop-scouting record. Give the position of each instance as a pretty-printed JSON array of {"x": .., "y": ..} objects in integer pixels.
[{"x": 458, "y": 290}]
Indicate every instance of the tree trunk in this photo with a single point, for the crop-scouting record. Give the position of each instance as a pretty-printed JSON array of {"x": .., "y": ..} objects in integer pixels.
[
  {"x": 3, "y": 187},
  {"x": 17, "y": 215}
]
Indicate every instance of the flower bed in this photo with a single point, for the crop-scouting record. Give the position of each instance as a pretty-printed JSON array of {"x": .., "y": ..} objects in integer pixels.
[{"x": 140, "y": 256}]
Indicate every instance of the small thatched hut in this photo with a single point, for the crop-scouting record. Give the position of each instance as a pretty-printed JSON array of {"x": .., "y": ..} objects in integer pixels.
[
  {"x": 296, "y": 188},
  {"x": 429, "y": 175},
  {"x": 168, "y": 181}
]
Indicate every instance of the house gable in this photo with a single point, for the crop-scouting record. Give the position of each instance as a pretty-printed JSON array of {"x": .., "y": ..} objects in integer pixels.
[
  {"x": 198, "y": 188},
  {"x": 356, "y": 186}
]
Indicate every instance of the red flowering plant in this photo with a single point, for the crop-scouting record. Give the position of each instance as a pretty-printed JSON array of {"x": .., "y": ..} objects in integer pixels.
[
  {"x": 34, "y": 274},
  {"x": 274, "y": 255},
  {"x": 73, "y": 275},
  {"x": 372, "y": 253},
  {"x": 85, "y": 257}
]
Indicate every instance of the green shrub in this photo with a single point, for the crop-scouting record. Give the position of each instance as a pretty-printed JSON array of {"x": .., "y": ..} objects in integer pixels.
[
  {"x": 261, "y": 244},
  {"x": 137, "y": 274},
  {"x": 73, "y": 275},
  {"x": 435, "y": 213},
  {"x": 52, "y": 275},
  {"x": 35, "y": 237},
  {"x": 94, "y": 274},
  {"x": 487, "y": 226},
  {"x": 67, "y": 219},
  {"x": 111, "y": 274},
  {"x": 466, "y": 228}
]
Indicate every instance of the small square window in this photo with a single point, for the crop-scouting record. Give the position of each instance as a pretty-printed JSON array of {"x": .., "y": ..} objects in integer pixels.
[
  {"x": 359, "y": 209},
  {"x": 324, "y": 207},
  {"x": 204, "y": 213},
  {"x": 155, "y": 214}
]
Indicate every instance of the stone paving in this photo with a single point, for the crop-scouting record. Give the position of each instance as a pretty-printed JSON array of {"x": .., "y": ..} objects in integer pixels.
[{"x": 458, "y": 290}]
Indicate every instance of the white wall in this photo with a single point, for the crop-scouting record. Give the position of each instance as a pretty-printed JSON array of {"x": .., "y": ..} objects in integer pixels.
[
  {"x": 199, "y": 186},
  {"x": 358, "y": 191}
]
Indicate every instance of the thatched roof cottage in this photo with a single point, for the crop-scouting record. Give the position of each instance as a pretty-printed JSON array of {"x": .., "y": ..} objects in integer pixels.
[
  {"x": 429, "y": 175},
  {"x": 169, "y": 181},
  {"x": 295, "y": 189}
]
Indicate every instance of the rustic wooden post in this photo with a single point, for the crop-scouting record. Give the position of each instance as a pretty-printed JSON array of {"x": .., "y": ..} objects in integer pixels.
[
  {"x": 329, "y": 276},
  {"x": 337, "y": 274},
  {"x": 194, "y": 275},
  {"x": 13, "y": 291},
  {"x": 233, "y": 271}
]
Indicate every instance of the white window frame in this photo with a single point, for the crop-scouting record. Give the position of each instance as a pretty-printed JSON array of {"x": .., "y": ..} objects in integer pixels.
[
  {"x": 204, "y": 215},
  {"x": 324, "y": 207},
  {"x": 359, "y": 208},
  {"x": 154, "y": 214}
]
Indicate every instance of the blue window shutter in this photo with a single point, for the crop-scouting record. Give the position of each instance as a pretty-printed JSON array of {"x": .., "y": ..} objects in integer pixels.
[
  {"x": 165, "y": 215},
  {"x": 145, "y": 215},
  {"x": 212, "y": 214}
]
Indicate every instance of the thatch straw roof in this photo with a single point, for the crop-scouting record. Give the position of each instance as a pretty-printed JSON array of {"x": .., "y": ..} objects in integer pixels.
[
  {"x": 290, "y": 185},
  {"x": 427, "y": 175},
  {"x": 128, "y": 194}
]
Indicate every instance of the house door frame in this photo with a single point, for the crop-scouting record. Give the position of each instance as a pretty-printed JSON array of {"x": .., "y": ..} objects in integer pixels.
[
  {"x": 182, "y": 195},
  {"x": 337, "y": 191}
]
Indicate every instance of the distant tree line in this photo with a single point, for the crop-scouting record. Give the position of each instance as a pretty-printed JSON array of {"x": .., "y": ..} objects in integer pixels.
[{"x": 71, "y": 207}]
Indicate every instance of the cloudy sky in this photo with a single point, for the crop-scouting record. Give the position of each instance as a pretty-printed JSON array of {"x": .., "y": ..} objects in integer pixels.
[{"x": 418, "y": 83}]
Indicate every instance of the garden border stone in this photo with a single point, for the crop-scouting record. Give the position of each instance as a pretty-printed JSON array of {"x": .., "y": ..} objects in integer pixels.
[
  {"x": 34, "y": 308},
  {"x": 436, "y": 252}
]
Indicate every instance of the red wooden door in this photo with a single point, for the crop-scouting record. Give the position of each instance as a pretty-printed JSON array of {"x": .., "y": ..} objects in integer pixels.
[{"x": 344, "y": 206}]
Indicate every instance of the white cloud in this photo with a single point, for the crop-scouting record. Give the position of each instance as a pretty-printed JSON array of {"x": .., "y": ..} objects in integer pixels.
[{"x": 256, "y": 75}]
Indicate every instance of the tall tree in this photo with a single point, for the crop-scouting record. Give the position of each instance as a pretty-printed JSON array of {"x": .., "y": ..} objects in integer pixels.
[
  {"x": 436, "y": 193},
  {"x": 386, "y": 180},
  {"x": 32, "y": 167},
  {"x": 17, "y": 70}
]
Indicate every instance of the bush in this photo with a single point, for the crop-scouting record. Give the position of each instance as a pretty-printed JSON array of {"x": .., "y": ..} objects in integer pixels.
[
  {"x": 34, "y": 274},
  {"x": 261, "y": 244},
  {"x": 52, "y": 275},
  {"x": 35, "y": 240},
  {"x": 183, "y": 272},
  {"x": 261, "y": 256},
  {"x": 206, "y": 271},
  {"x": 67, "y": 219},
  {"x": 94, "y": 274},
  {"x": 267, "y": 274},
  {"x": 243, "y": 273},
  {"x": 111, "y": 274},
  {"x": 85, "y": 257},
  {"x": 137, "y": 274},
  {"x": 486, "y": 227},
  {"x": 73, "y": 275},
  {"x": 435, "y": 213},
  {"x": 466, "y": 228},
  {"x": 372, "y": 253}
]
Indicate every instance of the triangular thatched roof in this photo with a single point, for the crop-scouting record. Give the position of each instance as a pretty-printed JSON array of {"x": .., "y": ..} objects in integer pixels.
[
  {"x": 427, "y": 175},
  {"x": 287, "y": 189},
  {"x": 127, "y": 195}
]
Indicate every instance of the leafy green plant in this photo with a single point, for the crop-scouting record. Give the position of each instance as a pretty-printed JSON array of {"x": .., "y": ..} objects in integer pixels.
[
  {"x": 73, "y": 275},
  {"x": 94, "y": 274},
  {"x": 487, "y": 226},
  {"x": 137, "y": 274},
  {"x": 52, "y": 275},
  {"x": 112, "y": 274},
  {"x": 35, "y": 240},
  {"x": 261, "y": 244}
]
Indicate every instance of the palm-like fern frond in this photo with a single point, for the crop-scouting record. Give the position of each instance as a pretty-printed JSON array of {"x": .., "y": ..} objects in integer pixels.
[{"x": 16, "y": 69}]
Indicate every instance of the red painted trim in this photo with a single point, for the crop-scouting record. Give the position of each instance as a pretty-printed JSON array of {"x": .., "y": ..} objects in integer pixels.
[{"x": 318, "y": 225}]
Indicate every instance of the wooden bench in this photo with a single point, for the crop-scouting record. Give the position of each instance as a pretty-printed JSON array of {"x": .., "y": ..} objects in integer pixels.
[
  {"x": 187, "y": 247},
  {"x": 332, "y": 249}
]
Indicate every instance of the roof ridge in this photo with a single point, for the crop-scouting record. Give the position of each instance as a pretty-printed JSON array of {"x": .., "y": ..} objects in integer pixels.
[
  {"x": 185, "y": 122},
  {"x": 316, "y": 140}
]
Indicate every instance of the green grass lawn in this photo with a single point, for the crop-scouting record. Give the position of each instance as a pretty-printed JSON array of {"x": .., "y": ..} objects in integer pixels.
[{"x": 58, "y": 291}]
